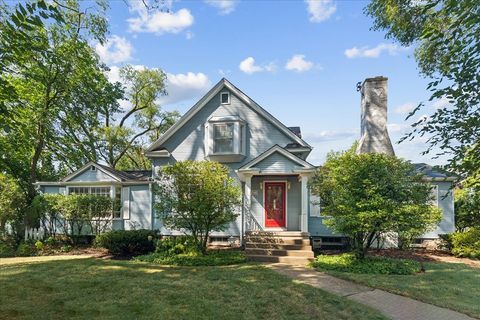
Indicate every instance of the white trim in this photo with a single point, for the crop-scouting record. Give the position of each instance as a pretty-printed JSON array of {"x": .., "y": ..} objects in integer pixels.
[
  {"x": 84, "y": 168},
  {"x": 92, "y": 183},
  {"x": 207, "y": 97},
  {"x": 158, "y": 154},
  {"x": 269, "y": 152},
  {"x": 228, "y": 95},
  {"x": 286, "y": 206}
]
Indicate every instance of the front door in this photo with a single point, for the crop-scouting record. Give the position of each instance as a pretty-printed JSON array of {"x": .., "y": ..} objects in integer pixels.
[{"x": 275, "y": 205}]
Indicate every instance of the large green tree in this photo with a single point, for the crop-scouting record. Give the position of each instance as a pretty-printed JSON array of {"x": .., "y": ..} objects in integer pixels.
[
  {"x": 365, "y": 196},
  {"x": 197, "y": 197},
  {"x": 446, "y": 37}
]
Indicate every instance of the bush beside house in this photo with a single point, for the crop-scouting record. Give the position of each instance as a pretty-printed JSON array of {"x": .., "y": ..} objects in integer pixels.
[{"x": 127, "y": 242}]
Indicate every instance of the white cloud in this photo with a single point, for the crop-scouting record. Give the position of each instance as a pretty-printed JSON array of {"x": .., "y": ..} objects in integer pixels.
[
  {"x": 248, "y": 66},
  {"x": 115, "y": 50},
  {"x": 328, "y": 135},
  {"x": 158, "y": 22},
  {"x": 298, "y": 63},
  {"x": 189, "y": 35},
  {"x": 366, "y": 52},
  {"x": 224, "y": 6},
  {"x": 320, "y": 10},
  {"x": 187, "y": 86},
  {"x": 405, "y": 108},
  {"x": 441, "y": 103},
  {"x": 394, "y": 128}
]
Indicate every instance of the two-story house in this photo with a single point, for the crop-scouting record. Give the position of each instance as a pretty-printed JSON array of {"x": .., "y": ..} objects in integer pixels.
[{"x": 268, "y": 159}]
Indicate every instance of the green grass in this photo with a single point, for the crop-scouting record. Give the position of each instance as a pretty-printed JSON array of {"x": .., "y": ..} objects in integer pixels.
[
  {"x": 213, "y": 258},
  {"x": 94, "y": 288},
  {"x": 370, "y": 265},
  {"x": 451, "y": 285}
]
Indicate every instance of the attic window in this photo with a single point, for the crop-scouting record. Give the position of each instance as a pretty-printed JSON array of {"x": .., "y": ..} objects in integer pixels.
[
  {"x": 92, "y": 168},
  {"x": 225, "y": 98}
]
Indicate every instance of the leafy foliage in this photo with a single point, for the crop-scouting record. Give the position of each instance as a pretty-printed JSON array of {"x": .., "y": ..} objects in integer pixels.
[
  {"x": 170, "y": 246},
  {"x": 369, "y": 265},
  {"x": 12, "y": 200},
  {"x": 467, "y": 208},
  {"x": 212, "y": 258},
  {"x": 466, "y": 243},
  {"x": 366, "y": 195},
  {"x": 198, "y": 197},
  {"x": 446, "y": 34},
  {"x": 127, "y": 242},
  {"x": 75, "y": 214}
]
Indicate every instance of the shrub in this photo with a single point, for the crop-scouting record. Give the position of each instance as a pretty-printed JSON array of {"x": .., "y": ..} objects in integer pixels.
[
  {"x": 446, "y": 242},
  {"x": 371, "y": 265},
  {"x": 7, "y": 246},
  {"x": 212, "y": 258},
  {"x": 170, "y": 246},
  {"x": 26, "y": 249},
  {"x": 466, "y": 244},
  {"x": 127, "y": 242},
  {"x": 39, "y": 245}
]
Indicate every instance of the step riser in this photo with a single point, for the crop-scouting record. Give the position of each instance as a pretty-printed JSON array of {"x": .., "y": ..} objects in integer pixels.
[
  {"x": 296, "y": 234},
  {"x": 284, "y": 241},
  {"x": 277, "y": 246},
  {"x": 289, "y": 260},
  {"x": 280, "y": 253}
]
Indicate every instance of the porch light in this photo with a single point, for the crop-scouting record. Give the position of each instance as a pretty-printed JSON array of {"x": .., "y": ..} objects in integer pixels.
[{"x": 288, "y": 185}]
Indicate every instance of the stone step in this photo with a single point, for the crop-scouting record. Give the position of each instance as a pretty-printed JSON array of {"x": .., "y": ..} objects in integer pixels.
[
  {"x": 283, "y": 259},
  {"x": 298, "y": 234},
  {"x": 277, "y": 240},
  {"x": 279, "y": 252},
  {"x": 253, "y": 245}
]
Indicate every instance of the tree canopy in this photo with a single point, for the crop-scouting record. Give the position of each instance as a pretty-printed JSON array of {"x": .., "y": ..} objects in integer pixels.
[
  {"x": 364, "y": 196},
  {"x": 446, "y": 36},
  {"x": 198, "y": 197}
]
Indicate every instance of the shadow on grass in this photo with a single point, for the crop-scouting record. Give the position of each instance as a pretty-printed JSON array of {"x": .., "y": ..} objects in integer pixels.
[{"x": 94, "y": 288}]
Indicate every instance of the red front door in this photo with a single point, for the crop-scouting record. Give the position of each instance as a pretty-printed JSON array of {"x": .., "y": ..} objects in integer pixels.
[{"x": 275, "y": 204}]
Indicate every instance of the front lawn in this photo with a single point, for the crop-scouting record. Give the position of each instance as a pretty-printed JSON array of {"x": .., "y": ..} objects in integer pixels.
[
  {"x": 94, "y": 288},
  {"x": 450, "y": 285}
]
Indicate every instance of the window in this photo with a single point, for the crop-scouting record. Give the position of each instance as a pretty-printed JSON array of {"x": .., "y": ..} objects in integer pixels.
[
  {"x": 434, "y": 195},
  {"x": 242, "y": 139},
  {"x": 93, "y": 168},
  {"x": 98, "y": 191},
  {"x": 223, "y": 138},
  {"x": 118, "y": 198},
  {"x": 315, "y": 206},
  {"x": 225, "y": 98}
]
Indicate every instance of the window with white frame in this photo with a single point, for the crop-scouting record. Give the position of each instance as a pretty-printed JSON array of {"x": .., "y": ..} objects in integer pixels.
[
  {"x": 223, "y": 137},
  {"x": 315, "y": 206},
  {"x": 97, "y": 191},
  {"x": 225, "y": 98}
]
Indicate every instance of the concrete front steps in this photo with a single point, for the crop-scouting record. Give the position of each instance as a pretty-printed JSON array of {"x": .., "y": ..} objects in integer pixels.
[{"x": 291, "y": 247}]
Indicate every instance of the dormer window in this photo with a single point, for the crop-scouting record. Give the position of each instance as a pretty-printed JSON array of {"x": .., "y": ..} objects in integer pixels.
[
  {"x": 225, "y": 98},
  {"x": 225, "y": 139}
]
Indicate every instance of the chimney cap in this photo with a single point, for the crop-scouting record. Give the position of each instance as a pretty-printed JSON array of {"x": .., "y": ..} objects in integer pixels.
[{"x": 377, "y": 78}]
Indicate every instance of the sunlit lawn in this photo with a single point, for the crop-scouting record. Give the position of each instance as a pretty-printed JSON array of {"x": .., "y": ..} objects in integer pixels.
[
  {"x": 450, "y": 285},
  {"x": 94, "y": 288}
]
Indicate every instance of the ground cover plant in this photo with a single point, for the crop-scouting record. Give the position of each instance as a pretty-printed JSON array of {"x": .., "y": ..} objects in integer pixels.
[
  {"x": 347, "y": 262},
  {"x": 99, "y": 288},
  {"x": 211, "y": 258}
]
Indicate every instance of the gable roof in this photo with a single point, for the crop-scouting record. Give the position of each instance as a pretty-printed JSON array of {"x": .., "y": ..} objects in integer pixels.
[
  {"x": 121, "y": 176},
  {"x": 276, "y": 149},
  {"x": 207, "y": 97},
  {"x": 433, "y": 173}
]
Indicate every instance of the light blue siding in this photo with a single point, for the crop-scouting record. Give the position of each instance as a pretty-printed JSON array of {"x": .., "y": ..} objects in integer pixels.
[
  {"x": 276, "y": 163},
  {"x": 92, "y": 175},
  {"x": 445, "y": 203},
  {"x": 140, "y": 208},
  {"x": 188, "y": 143},
  {"x": 50, "y": 189}
]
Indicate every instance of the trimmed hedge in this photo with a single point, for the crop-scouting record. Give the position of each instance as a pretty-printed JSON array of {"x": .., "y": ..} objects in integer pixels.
[
  {"x": 127, "y": 242},
  {"x": 370, "y": 265}
]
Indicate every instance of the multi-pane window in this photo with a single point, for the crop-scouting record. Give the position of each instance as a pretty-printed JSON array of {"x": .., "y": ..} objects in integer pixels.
[
  {"x": 223, "y": 138},
  {"x": 118, "y": 197},
  {"x": 97, "y": 191}
]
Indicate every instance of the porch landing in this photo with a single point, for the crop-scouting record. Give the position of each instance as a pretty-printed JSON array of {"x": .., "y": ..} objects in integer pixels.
[{"x": 290, "y": 247}]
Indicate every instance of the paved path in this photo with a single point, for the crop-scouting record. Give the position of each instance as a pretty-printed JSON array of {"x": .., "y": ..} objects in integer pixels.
[{"x": 392, "y": 305}]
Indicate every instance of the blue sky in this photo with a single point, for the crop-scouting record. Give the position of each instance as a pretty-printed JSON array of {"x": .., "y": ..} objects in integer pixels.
[{"x": 300, "y": 60}]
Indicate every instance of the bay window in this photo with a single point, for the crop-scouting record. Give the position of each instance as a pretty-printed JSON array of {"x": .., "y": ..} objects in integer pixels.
[{"x": 225, "y": 139}]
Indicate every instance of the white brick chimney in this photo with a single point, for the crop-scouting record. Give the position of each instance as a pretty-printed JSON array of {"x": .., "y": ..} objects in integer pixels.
[{"x": 374, "y": 134}]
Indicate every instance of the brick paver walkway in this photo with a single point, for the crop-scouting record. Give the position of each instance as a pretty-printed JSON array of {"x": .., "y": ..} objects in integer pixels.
[{"x": 392, "y": 305}]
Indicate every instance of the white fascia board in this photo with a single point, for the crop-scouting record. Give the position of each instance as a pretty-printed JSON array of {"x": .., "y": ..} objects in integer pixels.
[{"x": 84, "y": 168}]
